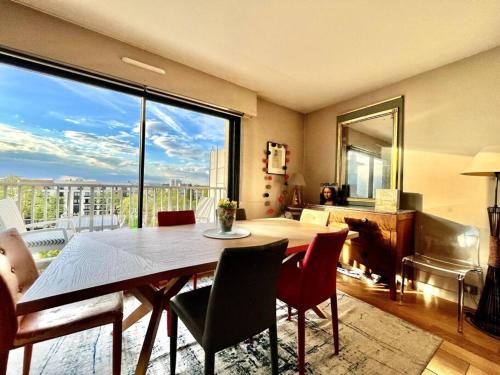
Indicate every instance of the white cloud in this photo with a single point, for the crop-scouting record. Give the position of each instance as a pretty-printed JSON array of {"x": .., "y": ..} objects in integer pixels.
[
  {"x": 166, "y": 119},
  {"x": 75, "y": 147}
]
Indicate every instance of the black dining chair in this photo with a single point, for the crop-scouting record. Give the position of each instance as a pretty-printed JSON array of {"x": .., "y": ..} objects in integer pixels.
[
  {"x": 241, "y": 214},
  {"x": 240, "y": 303}
]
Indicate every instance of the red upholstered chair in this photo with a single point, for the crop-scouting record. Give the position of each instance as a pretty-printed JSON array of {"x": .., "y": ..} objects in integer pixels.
[
  {"x": 17, "y": 274},
  {"x": 169, "y": 218},
  {"x": 305, "y": 283}
]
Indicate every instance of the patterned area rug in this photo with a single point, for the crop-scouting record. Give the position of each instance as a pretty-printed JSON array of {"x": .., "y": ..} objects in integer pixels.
[{"x": 371, "y": 342}]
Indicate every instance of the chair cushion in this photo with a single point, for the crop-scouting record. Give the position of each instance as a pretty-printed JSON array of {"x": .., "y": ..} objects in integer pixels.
[
  {"x": 67, "y": 319},
  {"x": 191, "y": 307},
  {"x": 20, "y": 260}
]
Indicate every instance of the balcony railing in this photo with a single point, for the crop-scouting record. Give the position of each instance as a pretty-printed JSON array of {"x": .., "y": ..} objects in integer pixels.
[{"x": 95, "y": 207}]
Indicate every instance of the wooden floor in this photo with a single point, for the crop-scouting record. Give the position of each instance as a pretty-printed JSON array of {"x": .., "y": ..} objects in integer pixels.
[{"x": 472, "y": 352}]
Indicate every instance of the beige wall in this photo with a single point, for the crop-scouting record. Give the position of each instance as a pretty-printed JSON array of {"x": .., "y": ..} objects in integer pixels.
[
  {"x": 36, "y": 33},
  {"x": 450, "y": 114},
  {"x": 33, "y": 32},
  {"x": 277, "y": 124}
]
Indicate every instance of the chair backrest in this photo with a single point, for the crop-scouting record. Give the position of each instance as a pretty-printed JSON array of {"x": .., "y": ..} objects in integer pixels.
[
  {"x": 10, "y": 217},
  {"x": 314, "y": 217},
  {"x": 446, "y": 240},
  {"x": 169, "y": 218},
  {"x": 242, "y": 301},
  {"x": 17, "y": 273},
  {"x": 319, "y": 267},
  {"x": 204, "y": 209},
  {"x": 241, "y": 214}
]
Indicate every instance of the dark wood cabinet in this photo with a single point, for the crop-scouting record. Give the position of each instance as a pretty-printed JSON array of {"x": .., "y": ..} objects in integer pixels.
[{"x": 384, "y": 238}]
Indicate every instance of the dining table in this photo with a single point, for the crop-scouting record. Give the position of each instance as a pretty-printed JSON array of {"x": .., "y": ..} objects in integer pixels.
[{"x": 97, "y": 263}]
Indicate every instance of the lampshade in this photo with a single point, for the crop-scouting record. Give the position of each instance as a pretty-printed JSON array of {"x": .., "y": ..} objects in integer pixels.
[
  {"x": 297, "y": 180},
  {"x": 485, "y": 163}
]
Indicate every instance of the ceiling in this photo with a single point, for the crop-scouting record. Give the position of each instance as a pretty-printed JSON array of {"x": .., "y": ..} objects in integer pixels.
[{"x": 301, "y": 54}]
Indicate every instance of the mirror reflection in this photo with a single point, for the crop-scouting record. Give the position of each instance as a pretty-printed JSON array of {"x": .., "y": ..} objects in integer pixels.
[{"x": 368, "y": 148}]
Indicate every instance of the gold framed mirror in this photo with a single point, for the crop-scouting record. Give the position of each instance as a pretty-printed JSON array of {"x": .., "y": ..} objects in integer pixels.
[{"x": 370, "y": 150}]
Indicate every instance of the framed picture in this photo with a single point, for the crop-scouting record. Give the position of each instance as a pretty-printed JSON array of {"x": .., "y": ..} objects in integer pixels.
[{"x": 276, "y": 158}]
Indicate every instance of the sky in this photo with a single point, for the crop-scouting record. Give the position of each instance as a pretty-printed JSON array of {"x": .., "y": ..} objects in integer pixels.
[{"x": 56, "y": 128}]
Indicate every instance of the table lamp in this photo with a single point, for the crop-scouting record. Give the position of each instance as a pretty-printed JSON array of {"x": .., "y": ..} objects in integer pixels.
[
  {"x": 487, "y": 316},
  {"x": 297, "y": 181}
]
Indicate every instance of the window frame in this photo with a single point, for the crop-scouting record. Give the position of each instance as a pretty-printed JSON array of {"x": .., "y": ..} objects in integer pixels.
[{"x": 46, "y": 66}]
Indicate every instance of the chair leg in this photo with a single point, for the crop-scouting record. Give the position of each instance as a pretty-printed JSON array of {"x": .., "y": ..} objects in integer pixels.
[
  {"x": 301, "y": 341},
  {"x": 209, "y": 363},
  {"x": 4, "y": 358},
  {"x": 195, "y": 281},
  {"x": 460, "y": 303},
  {"x": 289, "y": 312},
  {"x": 169, "y": 320},
  {"x": 273, "y": 340},
  {"x": 173, "y": 340},
  {"x": 403, "y": 276},
  {"x": 335, "y": 323},
  {"x": 28, "y": 350},
  {"x": 117, "y": 345}
]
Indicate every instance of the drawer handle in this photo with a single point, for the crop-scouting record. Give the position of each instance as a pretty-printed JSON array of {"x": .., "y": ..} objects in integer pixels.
[{"x": 364, "y": 220}]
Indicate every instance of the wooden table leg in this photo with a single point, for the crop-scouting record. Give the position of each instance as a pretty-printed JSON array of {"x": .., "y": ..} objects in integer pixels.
[
  {"x": 318, "y": 312},
  {"x": 159, "y": 299},
  {"x": 137, "y": 314}
]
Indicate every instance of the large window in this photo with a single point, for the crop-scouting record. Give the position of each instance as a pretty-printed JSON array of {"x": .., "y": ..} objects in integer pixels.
[
  {"x": 70, "y": 145},
  {"x": 185, "y": 159}
]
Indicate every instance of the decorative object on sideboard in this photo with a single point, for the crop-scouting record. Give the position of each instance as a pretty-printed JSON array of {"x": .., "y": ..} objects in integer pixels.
[
  {"x": 328, "y": 195},
  {"x": 387, "y": 200},
  {"x": 297, "y": 181},
  {"x": 487, "y": 316},
  {"x": 342, "y": 195}
]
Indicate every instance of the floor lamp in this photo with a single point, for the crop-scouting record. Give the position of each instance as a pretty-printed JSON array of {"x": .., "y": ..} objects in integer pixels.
[{"x": 487, "y": 316}]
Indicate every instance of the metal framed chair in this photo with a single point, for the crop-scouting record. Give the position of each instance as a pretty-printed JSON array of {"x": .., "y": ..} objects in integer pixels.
[
  {"x": 314, "y": 217},
  {"x": 240, "y": 303},
  {"x": 17, "y": 274},
  {"x": 445, "y": 248}
]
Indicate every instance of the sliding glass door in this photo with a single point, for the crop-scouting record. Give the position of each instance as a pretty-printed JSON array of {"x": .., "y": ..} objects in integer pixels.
[
  {"x": 186, "y": 154},
  {"x": 106, "y": 154}
]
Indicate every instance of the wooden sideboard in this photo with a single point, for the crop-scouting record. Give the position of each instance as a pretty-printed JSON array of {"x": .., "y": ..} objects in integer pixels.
[{"x": 384, "y": 238}]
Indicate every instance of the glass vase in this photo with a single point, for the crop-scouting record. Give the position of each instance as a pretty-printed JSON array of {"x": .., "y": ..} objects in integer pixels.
[{"x": 226, "y": 217}]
